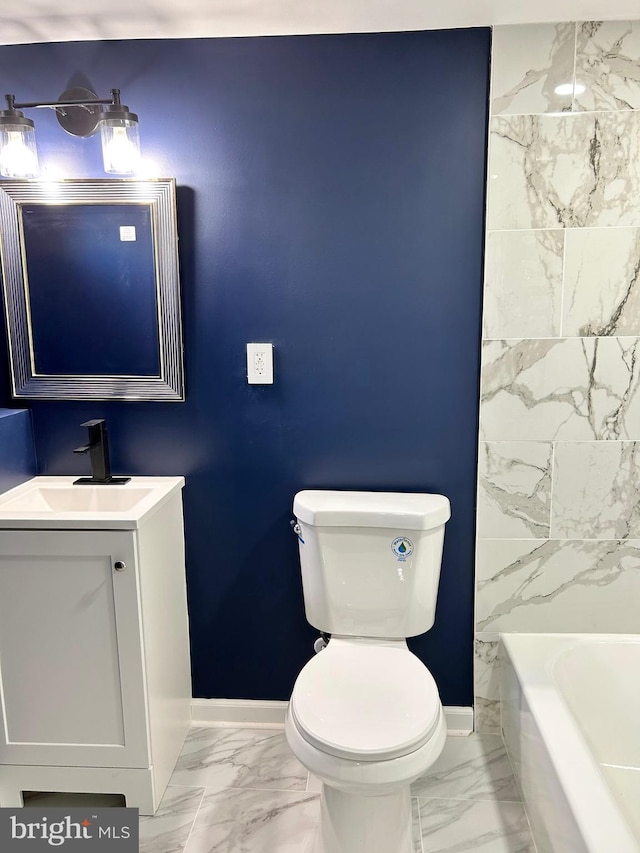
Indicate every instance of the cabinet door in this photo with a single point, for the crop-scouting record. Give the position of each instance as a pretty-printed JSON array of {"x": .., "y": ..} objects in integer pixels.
[{"x": 71, "y": 670}]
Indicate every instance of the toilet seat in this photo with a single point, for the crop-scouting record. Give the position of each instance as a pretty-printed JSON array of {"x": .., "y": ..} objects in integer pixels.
[{"x": 366, "y": 701}]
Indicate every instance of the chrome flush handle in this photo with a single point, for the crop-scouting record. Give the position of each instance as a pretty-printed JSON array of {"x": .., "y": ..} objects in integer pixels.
[{"x": 296, "y": 529}]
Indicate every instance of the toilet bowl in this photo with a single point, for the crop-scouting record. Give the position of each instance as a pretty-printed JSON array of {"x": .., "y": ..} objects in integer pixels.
[
  {"x": 365, "y": 715},
  {"x": 366, "y": 719}
]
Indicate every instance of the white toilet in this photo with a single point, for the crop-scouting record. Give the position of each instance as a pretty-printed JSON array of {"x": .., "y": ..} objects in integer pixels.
[{"x": 365, "y": 715}]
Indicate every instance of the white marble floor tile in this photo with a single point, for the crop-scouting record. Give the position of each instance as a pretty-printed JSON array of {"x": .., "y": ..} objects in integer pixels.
[
  {"x": 458, "y": 826},
  {"x": 416, "y": 829},
  {"x": 314, "y": 784},
  {"x": 168, "y": 830},
  {"x": 473, "y": 772},
  {"x": 472, "y": 768},
  {"x": 248, "y": 821},
  {"x": 241, "y": 758}
]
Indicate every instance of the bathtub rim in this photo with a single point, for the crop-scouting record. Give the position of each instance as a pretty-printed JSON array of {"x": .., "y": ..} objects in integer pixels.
[{"x": 592, "y": 803}]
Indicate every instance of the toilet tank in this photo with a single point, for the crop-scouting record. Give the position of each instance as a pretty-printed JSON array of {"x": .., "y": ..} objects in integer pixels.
[{"x": 370, "y": 560}]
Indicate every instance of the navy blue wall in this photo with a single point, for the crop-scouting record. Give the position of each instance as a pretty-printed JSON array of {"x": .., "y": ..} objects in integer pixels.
[
  {"x": 331, "y": 201},
  {"x": 17, "y": 456}
]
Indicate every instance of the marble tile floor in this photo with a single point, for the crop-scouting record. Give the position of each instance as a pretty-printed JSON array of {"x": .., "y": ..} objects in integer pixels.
[{"x": 240, "y": 790}]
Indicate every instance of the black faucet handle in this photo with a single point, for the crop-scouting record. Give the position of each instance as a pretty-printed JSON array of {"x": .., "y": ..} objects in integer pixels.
[
  {"x": 97, "y": 429},
  {"x": 98, "y": 449}
]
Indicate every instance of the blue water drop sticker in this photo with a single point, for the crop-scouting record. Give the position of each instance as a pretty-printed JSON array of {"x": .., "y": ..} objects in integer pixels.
[{"x": 402, "y": 547}]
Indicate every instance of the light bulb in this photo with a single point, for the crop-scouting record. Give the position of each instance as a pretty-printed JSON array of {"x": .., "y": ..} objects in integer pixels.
[
  {"x": 120, "y": 151},
  {"x": 17, "y": 158}
]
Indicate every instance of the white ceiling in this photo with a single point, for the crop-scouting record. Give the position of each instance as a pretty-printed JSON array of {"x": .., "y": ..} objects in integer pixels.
[{"x": 70, "y": 20}]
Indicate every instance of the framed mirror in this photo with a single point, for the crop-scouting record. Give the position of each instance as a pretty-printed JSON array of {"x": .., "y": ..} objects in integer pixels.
[{"x": 91, "y": 289}]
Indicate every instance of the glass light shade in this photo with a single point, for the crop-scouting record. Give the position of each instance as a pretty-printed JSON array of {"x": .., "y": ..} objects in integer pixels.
[
  {"x": 120, "y": 146},
  {"x": 18, "y": 152}
]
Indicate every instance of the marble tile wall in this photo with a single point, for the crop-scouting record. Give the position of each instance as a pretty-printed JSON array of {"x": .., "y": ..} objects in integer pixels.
[{"x": 559, "y": 457}]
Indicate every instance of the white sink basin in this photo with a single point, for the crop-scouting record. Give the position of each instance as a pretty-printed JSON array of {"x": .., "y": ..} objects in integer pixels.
[
  {"x": 83, "y": 499},
  {"x": 54, "y": 502}
]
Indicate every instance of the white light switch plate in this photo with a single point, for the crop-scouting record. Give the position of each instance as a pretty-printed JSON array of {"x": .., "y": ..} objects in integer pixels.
[{"x": 260, "y": 364}]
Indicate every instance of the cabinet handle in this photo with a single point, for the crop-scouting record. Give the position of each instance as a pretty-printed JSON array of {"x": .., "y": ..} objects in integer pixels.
[{"x": 119, "y": 566}]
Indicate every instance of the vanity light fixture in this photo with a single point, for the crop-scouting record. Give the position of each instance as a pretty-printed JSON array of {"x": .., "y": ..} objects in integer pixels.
[{"x": 79, "y": 112}]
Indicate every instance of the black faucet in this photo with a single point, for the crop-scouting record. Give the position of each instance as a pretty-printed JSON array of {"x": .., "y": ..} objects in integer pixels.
[{"x": 98, "y": 449}]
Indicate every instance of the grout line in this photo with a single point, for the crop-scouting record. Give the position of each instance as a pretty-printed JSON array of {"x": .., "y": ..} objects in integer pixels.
[
  {"x": 298, "y": 792},
  {"x": 173, "y": 785},
  {"x": 527, "y": 230},
  {"x": 474, "y": 608},
  {"x": 575, "y": 65},
  {"x": 308, "y": 789},
  {"x": 468, "y": 800},
  {"x": 566, "y": 114},
  {"x": 419, "y": 825},
  {"x": 565, "y": 338},
  {"x": 195, "y": 817},
  {"x": 551, "y": 539},
  {"x": 552, "y": 471},
  {"x": 513, "y": 772},
  {"x": 603, "y": 441},
  {"x": 524, "y": 805},
  {"x": 213, "y": 787},
  {"x": 562, "y": 283},
  {"x": 564, "y": 228}
]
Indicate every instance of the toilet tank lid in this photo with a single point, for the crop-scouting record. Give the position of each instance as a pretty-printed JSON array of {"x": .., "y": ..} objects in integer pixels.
[{"x": 398, "y": 510}]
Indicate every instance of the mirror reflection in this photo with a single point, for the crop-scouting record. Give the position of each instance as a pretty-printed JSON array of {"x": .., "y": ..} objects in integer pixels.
[{"x": 101, "y": 258}]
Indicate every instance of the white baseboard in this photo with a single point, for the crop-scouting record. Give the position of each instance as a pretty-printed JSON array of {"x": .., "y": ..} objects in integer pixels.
[
  {"x": 459, "y": 720},
  {"x": 239, "y": 712},
  {"x": 259, "y": 713}
]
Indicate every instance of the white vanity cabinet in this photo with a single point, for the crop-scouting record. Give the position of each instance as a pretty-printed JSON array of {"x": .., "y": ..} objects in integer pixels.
[{"x": 94, "y": 649}]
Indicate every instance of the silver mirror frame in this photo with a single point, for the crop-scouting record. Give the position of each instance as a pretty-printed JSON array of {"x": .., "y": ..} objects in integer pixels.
[{"x": 160, "y": 194}]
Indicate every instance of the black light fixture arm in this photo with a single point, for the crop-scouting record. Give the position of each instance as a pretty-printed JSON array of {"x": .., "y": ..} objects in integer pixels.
[
  {"x": 79, "y": 111},
  {"x": 114, "y": 100}
]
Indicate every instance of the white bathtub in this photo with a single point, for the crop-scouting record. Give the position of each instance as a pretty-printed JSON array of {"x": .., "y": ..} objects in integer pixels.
[{"x": 570, "y": 707}]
